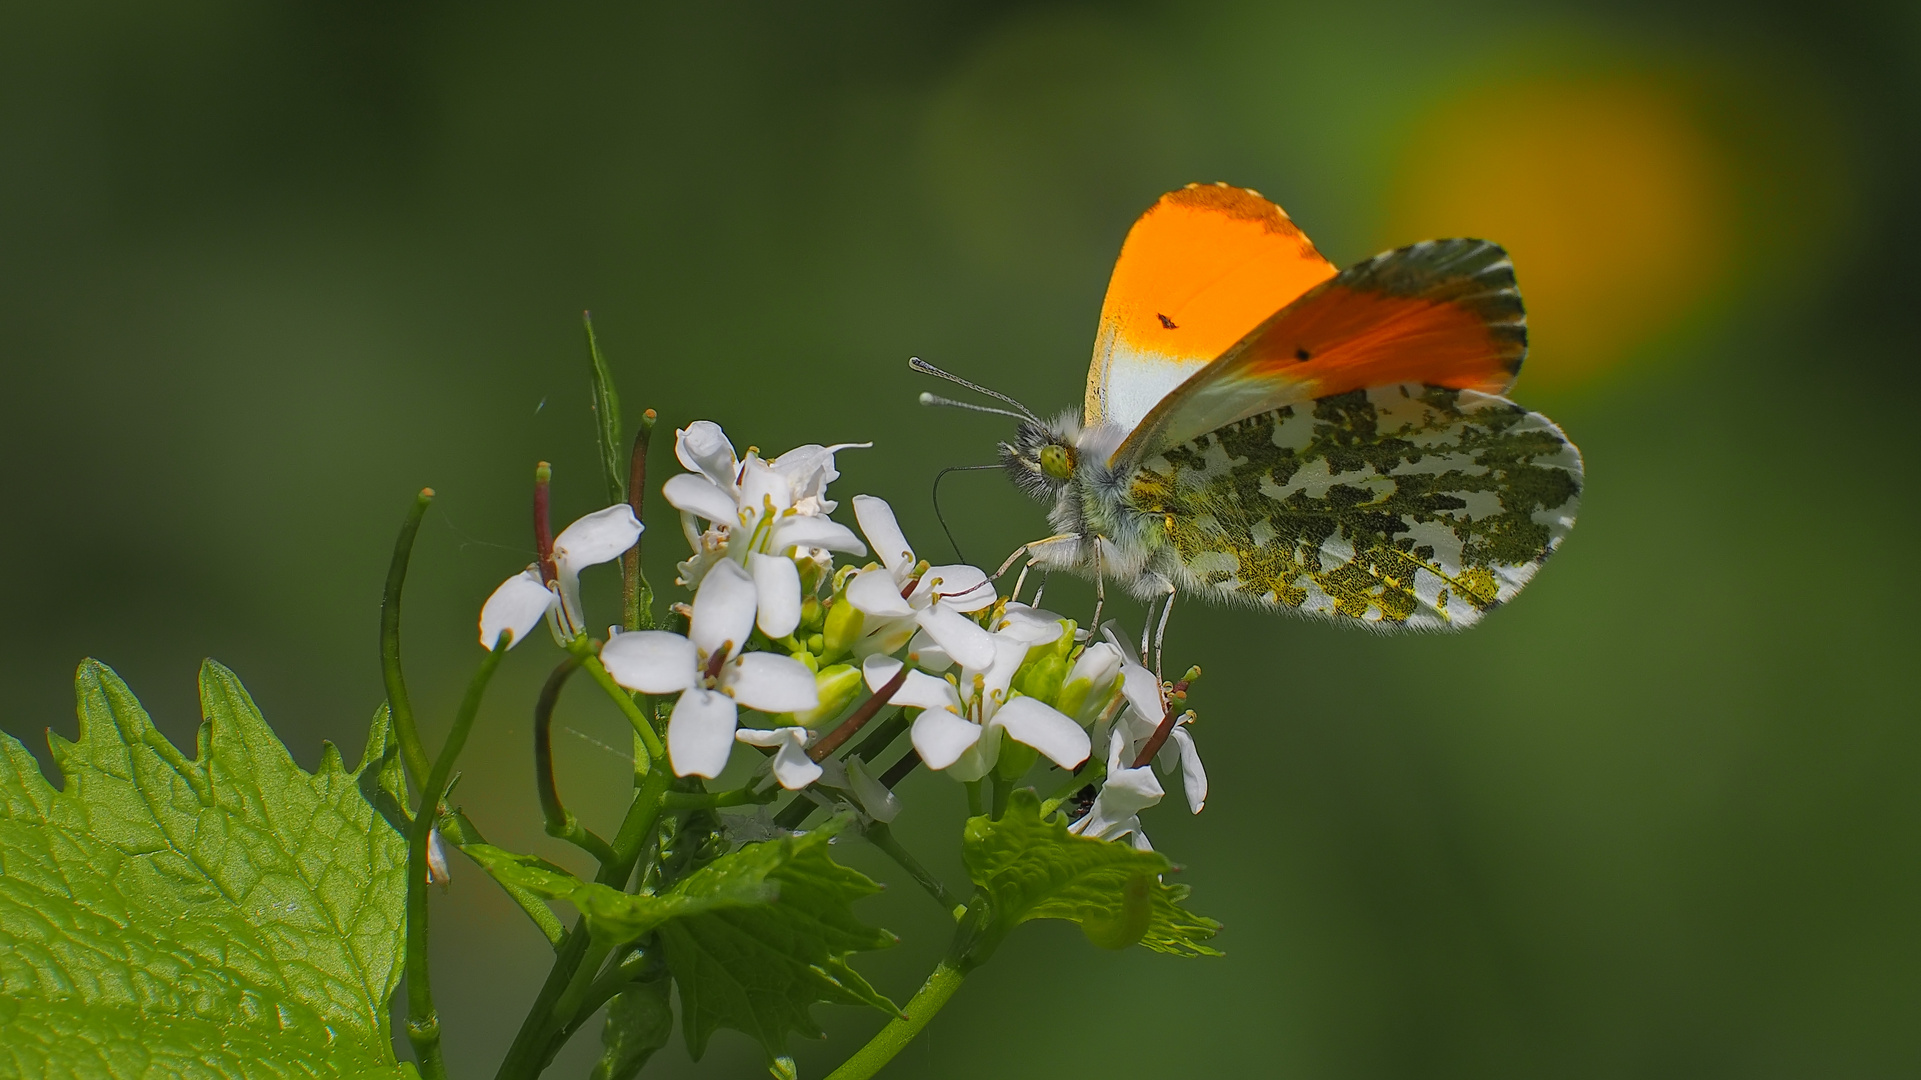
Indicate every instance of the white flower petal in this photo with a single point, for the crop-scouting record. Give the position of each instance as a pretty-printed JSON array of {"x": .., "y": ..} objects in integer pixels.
[
  {"x": 927, "y": 654},
  {"x": 700, "y": 733},
  {"x": 518, "y": 605},
  {"x": 1143, "y": 691},
  {"x": 1031, "y": 625},
  {"x": 961, "y": 587},
  {"x": 703, "y": 447},
  {"x": 877, "y": 523},
  {"x": 811, "y": 531},
  {"x": 1129, "y": 791},
  {"x": 777, "y": 593},
  {"x": 651, "y": 661},
  {"x": 1008, "y": 655},
  {"x": 963, "y": 638},
  {"x": 770, "y": 683},
  {"x": 880, "y": 803},
  {"x": 601, "y": 536},
  {"x": 693, "y": 494},
  {"x": 940, "y": 737},
  {"x": 723, "y": 609},
  {"x": 792, "y": 767},
  {"x": 875, "y": 592},
  {"x": 919, "y": 691},
  {"x": 1193, "y": 775},
  {"x": 1045, "y": 729},
  {"x": 760, "y": 484},
  {"x": 1098, "y": 664}
]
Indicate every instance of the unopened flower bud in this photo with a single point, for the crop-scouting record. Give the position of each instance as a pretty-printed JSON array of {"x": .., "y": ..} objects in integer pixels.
[
  {"x": 838, "y": 686},
  {"x": 841, "y": 628},
  {"x": 1040, "y": 678},
  {"x": 811, "y": 612}
]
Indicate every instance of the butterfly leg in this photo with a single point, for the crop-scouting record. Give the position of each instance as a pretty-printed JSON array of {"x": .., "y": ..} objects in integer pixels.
[{"x": 1160, "y": 630}]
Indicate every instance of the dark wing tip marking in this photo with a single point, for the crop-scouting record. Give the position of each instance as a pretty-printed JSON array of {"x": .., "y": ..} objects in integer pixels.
[
  {"x": 1166, "y": 322},
  {"x": 1475, "y": 274}
]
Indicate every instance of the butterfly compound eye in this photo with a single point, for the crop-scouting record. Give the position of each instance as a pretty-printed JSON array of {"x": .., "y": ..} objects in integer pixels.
[{"x": 1057, "y": 461}]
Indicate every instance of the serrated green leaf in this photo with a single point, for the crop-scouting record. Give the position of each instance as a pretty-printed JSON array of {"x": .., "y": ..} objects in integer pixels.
[
  {"x": 230, "y": 916},
  {"x": 760, "y": 968},
  {"x": 1030, "y": 867},
  {"x": 639, "y": 1022},
  {"x": 614, "y": 918}
]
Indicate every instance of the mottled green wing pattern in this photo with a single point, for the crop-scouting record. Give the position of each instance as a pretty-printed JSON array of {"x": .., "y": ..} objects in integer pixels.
[{"x": 1396, "y": 506}]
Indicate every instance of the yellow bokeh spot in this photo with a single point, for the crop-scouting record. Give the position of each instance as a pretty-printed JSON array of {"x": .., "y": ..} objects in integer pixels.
[{"x": 1613, "y": 201}]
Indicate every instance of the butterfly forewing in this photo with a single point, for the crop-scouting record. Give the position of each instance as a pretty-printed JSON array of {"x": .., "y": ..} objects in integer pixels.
[{"x": 1407, "y": 505}]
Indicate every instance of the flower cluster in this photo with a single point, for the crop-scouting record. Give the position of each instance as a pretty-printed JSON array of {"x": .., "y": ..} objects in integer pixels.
[{"x": 774, "y": 628}]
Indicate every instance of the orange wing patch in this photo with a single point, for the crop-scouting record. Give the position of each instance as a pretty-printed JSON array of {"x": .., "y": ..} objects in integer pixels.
[
  {"x": 1442, "y": 312},
  {"x": 1205, "y": 265}
]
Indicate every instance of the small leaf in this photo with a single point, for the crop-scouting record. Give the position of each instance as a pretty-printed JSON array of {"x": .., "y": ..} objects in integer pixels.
[
  {"x": 639, "y": 1022},
  {"x": 613, "y": 917},
  {"x": 1030, "y": 867},
  {"x": 229, "y": 916}
]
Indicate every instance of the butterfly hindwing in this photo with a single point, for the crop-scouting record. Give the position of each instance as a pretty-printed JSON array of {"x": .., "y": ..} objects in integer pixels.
[
  {"x": 1442, "y": 312},
  {"x": 1199, "y": 270},
  {"x": 1398, "y": 506}
]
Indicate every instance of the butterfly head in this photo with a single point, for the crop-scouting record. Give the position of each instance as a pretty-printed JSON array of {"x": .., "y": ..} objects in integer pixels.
[{"x": 1043, "y": 455}]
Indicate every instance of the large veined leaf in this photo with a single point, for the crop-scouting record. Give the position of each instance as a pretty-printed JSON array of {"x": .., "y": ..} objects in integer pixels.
[{"x": 230, "y": 916}]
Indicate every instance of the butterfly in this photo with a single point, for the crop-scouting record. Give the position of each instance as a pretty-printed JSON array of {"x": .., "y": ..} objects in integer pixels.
[{"x": 1262, "y": 429}]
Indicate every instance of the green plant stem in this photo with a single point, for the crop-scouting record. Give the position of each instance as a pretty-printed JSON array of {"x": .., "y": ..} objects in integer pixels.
[
  {"x": 560, "y": 821},
  {"x": 893, "y": 1038},
  {"x": 700, "y": 800},
  {"x": 882, "y": 837},
  {"x": 636, "y": 594},
  {"x": 423, "y": 1023},
  {"x": 535, "y": 1044},
  {"x": 998, "y": 790},
  {"x": 412, "y": 754},
  {"x": 973, "y": 798},
  {"x": 656, "y": 752}
]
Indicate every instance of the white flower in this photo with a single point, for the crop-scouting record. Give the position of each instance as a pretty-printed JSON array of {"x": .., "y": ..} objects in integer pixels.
[
  {"x": 895, "y": 602},
  {"x": 1123, "y": 795},
  {"x": 710, "y": 673},
  {"x": 522, "y": 600},
  {"x": 774, "y": 507},
  {"x": 792, "y": 767},
  {"x": 1127, "y": 790},
  {"x": 959, "y": 729}
]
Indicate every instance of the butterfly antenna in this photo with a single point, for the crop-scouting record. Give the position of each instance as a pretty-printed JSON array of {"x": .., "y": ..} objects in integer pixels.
[
  {"x": 926, "y": 368},
  {"x": 950, "y": 403},
  {"x": 942, "y": 518}
]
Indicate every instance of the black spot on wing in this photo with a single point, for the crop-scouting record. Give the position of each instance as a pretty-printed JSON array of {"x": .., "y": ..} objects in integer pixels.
[{"x": 1166, "y": 322}]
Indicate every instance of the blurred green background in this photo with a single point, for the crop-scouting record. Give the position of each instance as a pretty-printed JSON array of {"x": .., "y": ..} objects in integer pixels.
[{"x": 265, "y": 269}]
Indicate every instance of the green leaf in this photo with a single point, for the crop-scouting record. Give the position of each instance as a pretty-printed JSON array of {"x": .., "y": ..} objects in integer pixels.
[
  {"x": 639, "y": 1022},
  {"x": 228, "y": 916},
  {"x": 760, "y": 968},
  {"x": 460, "y": 832},
  {"x": 1029, "y": 867},
  {"x": 606, "y": 417},
  {"x": 614, "y": 918}
]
